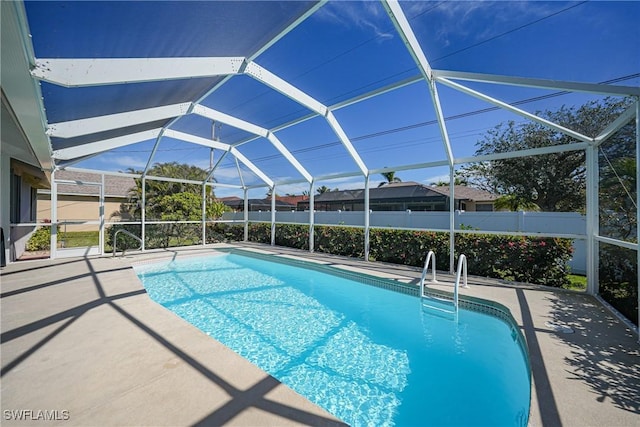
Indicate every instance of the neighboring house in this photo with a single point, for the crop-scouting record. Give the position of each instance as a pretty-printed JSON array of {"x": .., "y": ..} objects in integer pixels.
[
  {"x": 237, "y": 204},
  {"x": 79, "y": 203},
  {"x": 402, "y": 196},
  {"x": 468, "y": 198},
  {"x": 292, "y": 200}
]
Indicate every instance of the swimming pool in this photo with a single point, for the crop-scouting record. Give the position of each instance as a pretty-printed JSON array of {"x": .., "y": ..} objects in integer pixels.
[{"x": 368, "y": 355}]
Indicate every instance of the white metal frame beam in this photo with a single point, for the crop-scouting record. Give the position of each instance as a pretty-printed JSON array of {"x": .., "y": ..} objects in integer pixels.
[
  {"x": 219, "y": 84},
  {"x": 254, "y": 129},
  {"x": 276, "y": 83},
  {"x": 524, "y": 153},
  {"x": 251, "y": 166},
  {"x": 108, "y": 71},
  {"x": 221, "y": 117},
  {"x": 342, "y": 104},
  {"x": 239, "y": 172},
  {"x": 616, "y": 125},
  {"x": 214, "y": 167},
  {"x": 194, "y": 139},
  {"x": 267, "y": 45},
  {"x": 516, "y": 110},
  {"x": 97, "y": 124},
  {"x": 287, "y": 89},
  {"x": 97, "y": 147},
  {"x": 221, "y": 146},
  {"x": 538, "y": 83},
  {"x": 395, "y": 12},
  {"x": 403, "y": 27}
]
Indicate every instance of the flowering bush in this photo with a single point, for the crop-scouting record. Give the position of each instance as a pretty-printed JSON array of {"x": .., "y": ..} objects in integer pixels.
[
  {"x": 346, "y": 241},
  {"x": 540, "y": 260},
  {"x": 409, "y": 247}
]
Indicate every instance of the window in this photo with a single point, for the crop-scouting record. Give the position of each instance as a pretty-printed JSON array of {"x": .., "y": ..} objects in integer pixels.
[
  {"x": 484, "y": 207},
  {"x": 16, "y": 189},
  {"x": 33, "y": 214}
]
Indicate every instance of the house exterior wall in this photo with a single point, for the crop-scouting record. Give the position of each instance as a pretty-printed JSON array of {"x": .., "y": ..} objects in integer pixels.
[
  {"x": 4, "y": 203},
  {"x": 80, "y": 208},
  {"x": 470, "y": 206},
  {"x": 18, "y": 201}
]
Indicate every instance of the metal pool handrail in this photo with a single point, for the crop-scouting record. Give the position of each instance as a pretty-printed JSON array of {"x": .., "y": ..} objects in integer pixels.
[
  {"x": 115, "y": 240},
  {"x": 462, "y": 270},
  {"x": 461, "y": 273},
  {"x": 430, "y": 256}
]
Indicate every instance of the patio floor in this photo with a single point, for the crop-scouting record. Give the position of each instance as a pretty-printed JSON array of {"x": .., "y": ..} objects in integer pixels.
[{"x": 81, "y": 337}]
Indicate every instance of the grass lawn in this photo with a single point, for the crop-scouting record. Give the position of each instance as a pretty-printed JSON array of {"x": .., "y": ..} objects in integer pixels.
[
  {"x": 74, "y": 239},
  {"x": 578, "y": 283}
]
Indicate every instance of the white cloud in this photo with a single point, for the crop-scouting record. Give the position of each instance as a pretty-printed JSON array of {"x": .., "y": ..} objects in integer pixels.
[
  {"x": 367, "y": 15},
  {"x": 451, "y": 20}
]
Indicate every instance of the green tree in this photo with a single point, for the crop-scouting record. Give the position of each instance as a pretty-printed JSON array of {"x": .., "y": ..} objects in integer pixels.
[
  {"x": 458, "y": 179},
  {"x": 553, "y": 182},
  {"x": 514, "y": 203},
  {"x": 170, "y": 201},
  {"x": 618, "y": 198}
]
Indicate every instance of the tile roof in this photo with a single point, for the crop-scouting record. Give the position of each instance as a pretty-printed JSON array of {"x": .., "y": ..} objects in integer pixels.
[
  {"x": 115, "y": 186},
  {"x": 462, "y": 192},
  {"x": 406, "y": 190}
]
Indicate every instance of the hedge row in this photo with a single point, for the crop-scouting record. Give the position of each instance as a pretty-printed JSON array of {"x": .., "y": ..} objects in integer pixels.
[{"x": 524, "y": 259}]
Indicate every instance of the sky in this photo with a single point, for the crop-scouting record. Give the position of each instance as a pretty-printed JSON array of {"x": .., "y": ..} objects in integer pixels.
[{"x": 345, "y": 49}]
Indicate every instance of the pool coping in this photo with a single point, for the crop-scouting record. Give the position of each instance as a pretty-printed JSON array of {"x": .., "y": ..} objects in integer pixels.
[{"x": 590, "y": 377}]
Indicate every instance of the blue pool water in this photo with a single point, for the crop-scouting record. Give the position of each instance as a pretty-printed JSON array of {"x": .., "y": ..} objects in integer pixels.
[{"x": 368, "y": 355}]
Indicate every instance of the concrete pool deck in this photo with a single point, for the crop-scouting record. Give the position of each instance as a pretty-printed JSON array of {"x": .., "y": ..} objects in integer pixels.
[{"x": 82, "y": 341}]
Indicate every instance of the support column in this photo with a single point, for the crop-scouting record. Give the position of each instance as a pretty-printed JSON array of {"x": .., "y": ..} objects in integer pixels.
[
  {"x": 638, "y": 201},
  {"x": 143, "y": 207},
  {"x": 273, "y": 215},
  {"x": 246, "y": 215},
  {"x": 5, "y": 206},
  {"x": 54, "y": 217},
  {"x": 591, "y": 163},
  {"x": 101, "y": 232},
  {"x": 366, "y": 217},
  {"x": 452, "y": 220},
  {"x": 311, "y": 215},
  {"x": 204, "y": 214}
]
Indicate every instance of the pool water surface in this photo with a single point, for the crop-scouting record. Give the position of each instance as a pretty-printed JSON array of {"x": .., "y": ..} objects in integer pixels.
[{"x": 368, "y": 355}]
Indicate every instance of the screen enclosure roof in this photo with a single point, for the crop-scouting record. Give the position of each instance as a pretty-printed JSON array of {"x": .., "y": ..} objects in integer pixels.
[{"x": 263, "y": 93}]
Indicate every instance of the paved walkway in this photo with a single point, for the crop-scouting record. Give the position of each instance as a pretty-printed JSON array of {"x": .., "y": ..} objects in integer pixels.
[{"x": 81, "y": 340}]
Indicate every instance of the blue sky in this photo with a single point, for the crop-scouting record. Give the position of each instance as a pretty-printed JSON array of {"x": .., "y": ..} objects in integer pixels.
[{"x": 348, "y": 48}]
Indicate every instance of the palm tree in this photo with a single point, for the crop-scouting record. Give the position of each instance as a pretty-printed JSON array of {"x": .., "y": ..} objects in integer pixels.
[
  {"x": 390, "y": 177},
  {"x": 323, "y": 189}
]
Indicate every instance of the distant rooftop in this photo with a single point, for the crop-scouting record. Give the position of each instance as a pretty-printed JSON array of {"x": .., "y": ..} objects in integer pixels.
[
  {"x": 407, "y": 190},
  {"x": 114, "y": 186}
]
